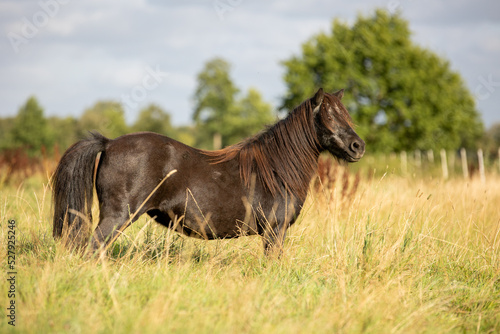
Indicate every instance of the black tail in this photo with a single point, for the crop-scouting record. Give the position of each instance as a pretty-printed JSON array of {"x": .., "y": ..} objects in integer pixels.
[{"x": 72, "y": 186}]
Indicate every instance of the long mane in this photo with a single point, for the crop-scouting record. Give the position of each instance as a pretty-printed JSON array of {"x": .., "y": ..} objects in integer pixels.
[{"x": 282, "y": 157}]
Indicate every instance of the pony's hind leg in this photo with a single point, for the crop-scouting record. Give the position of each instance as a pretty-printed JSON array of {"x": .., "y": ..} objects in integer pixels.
[{"x": 108, "y": 230}]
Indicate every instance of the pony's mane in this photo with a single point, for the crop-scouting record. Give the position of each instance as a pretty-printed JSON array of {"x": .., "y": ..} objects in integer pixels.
[
  {"x": 341, "y": 113},
  {"x": 284, "y": 155}
]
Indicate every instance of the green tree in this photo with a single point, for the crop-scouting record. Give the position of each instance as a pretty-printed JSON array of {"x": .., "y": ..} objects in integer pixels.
[
  {"x": 214, "y": 101},
  {"x": 252, "y": 114},
  {"x": 221, "y": 113},
  {"x": 6, "y": 125},
  {"x": 30, "y": 128},
  {"x": 106, "y": 117},
  {"x": 153, "y": 118},
  {"x": 491, "y": 141},
  {"x": 186, "y": 134},
  {"x": 63, "y": 131},
  {"x": 401, "y": 96}
]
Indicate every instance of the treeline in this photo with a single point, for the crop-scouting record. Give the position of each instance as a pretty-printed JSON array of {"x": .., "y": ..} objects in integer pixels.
[
  {"x": 222, "y": 116},
  {"x": 31, "y": 130},
  {"x": 401, "y": 96}
]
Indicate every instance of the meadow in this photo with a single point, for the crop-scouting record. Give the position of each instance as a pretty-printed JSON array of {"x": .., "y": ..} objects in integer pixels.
[{"x": 380, "y": 254}]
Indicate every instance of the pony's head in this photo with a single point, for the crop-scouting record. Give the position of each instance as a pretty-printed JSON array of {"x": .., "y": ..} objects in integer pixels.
[{"x": 334, "y": 127}]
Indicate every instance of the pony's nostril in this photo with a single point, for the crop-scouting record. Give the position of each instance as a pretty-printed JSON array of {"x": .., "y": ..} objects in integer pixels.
[{"x": 357, "y": 147}]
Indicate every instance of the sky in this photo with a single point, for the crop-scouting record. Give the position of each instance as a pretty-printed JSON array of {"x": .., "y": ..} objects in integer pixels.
[{"x": 70, "y": 54}]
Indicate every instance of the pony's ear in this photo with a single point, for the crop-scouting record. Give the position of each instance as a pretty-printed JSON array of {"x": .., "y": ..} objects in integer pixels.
[
  {"x": 317, "y": 99},
  {"x": 339, "y": 94}
]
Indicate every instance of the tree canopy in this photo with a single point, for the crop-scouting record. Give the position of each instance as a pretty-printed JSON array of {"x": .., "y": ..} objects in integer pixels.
[
  {"x": 491, "y": 140},
  {"x": 401, "y": 96},
  {"x": 29, "y": 129},
  {"x": 214, "y": 101},
  {"x": 220, "y": 113},
  {"x": 252, "y": 113},
  {"x": 153, "y": 118},
  {"x": 107, "y": 117}
]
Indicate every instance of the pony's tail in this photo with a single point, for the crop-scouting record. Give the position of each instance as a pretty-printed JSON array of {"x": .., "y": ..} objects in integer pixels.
[{"x": 72, "y": 188}]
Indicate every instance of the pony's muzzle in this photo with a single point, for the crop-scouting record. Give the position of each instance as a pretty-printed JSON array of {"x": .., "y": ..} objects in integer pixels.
[{"x": 357, "y": 148}]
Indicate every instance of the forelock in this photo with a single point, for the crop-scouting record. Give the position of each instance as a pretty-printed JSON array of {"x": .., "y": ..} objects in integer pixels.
[{"x": 341, "y": 112}]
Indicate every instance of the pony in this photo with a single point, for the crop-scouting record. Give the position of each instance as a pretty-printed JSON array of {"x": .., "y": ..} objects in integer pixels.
[{"x": 255, "y": 187}]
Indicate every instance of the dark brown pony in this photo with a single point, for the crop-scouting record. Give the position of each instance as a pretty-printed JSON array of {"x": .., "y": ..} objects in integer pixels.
[{"x": 257, "y": 186}]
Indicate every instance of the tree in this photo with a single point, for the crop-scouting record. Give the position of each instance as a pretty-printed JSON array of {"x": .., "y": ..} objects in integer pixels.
[
  {"x": 106, "y": 117},
  {"x": 214, "y": 101},
  {"x": 6, "y": 125},
  {"x": 186, "y": 134},
  {"x": 401, "y": 96},
  {"x": 63, "y": 131},
  {"x": 30, "y": 128},
  {"x": 252, "y": 114},
  {"x": 220, "y": 112},
  {"x": 491, "y": 141},
  {"x": 153, "y": 118}
]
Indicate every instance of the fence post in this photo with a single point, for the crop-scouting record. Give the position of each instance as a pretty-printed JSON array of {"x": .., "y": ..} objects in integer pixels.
[
  {"x": 444, "y": 164},
  {"x": 481, "y": 164},
  {"x": 463, "y": 156}
]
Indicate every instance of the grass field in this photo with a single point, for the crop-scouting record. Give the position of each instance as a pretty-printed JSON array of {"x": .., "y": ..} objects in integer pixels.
[{"x": 399, "y": 255}]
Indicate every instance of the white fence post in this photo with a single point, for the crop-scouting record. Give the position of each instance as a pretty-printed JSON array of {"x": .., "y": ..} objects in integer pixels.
[
  {"x": 481, "y": 164},
  {"x": 444, "y": 164},
  {"x": 463, "y": 156}
]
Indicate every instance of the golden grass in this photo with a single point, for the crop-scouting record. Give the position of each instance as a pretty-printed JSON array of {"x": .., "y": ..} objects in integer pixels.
[{"x": 400, "y": 255}]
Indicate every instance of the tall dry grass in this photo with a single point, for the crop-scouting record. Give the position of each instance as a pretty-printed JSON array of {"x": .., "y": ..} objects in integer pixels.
[{"x": 395, "y": 255}]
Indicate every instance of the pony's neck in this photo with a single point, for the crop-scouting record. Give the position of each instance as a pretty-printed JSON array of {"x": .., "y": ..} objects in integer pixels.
[{"x": 284, "y": 157}]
